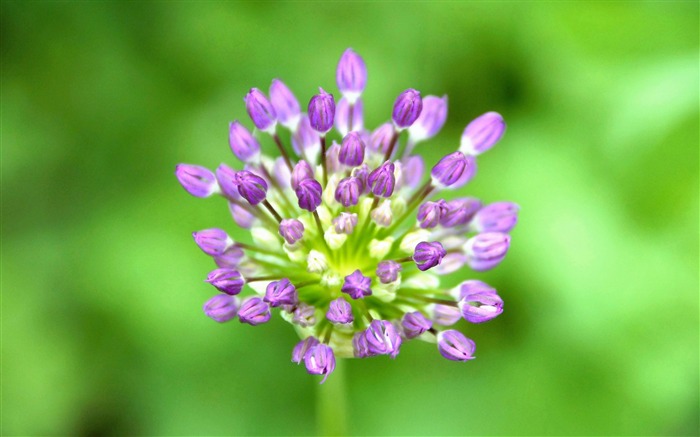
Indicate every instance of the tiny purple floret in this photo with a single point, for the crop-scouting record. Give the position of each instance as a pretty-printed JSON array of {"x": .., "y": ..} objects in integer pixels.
[
  {"x": 345, "y": 223},
  {"x": 309, "y": 193},
  {"x": 496, "y": 217},
  {"x": 414, "y": 324},
  {"x": 292, "y": 230},
  {"x": 243, "y": 144},
  {"x": 221, "y": 308},
  {"x": 357, "y": 285},
  {"x": 197, "y": 180},
  {"x": 212, "y": 241},
  {"x": 322, "y": 111},
  {"x": 304, "y": 315},
  {"x": 301, "y": 348},
  {"x": 351, "y": 75},
  {"x": 407, "y": 108},
  {"x": 251, "y": 187},
  {"x": 285, "y": 104},
  {"x": 451, "y": 168},
  {"x": 360, "y": 345},
  {"x": 226, "y": 280},
  {"x": 320, "y": 360},
  {"x": 348, "y": 191},
  {"x": 454, "y": 346},
  {"x": 388, "y": 271},
  {"x": 352, "y": 150},
  {"x": 281, "y": 292},
  {"x": 254, "y": 311},
  {"x": 430, "y": 213},
  {"x": 485, "y": 251},
  {"x": 260, "y": 110},
  {"x": 383, "y": 338},
  {"x": 382, "y": 180},
  {"x": 479, "y": 302},
  {"x": 482, "y": 133},
  {"x": 428, "y": 254},
  {"x": 339, "y": 311},
  {"x": 459, "y": 211}
]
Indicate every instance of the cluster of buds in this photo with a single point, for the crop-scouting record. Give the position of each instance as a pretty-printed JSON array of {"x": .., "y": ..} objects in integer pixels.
[{"x": 348, "y": 237}]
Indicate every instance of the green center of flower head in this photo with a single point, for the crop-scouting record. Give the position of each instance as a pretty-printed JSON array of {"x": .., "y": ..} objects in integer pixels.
[{"x": 349, "y": 238}]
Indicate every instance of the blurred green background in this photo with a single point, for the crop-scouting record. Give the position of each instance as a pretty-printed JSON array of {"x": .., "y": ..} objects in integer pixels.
[{"x": 102, "y": 329}]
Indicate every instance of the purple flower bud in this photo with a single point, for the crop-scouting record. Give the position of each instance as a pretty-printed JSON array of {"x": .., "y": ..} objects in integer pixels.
[
  {"x": 292, "y": 230},
  {"x": 482, "y": 133},
  {"x": 388, "y": 271},
  {"x": 383, "y": 338},
  {"x": 454, "y": 346},
  {"x": 309, "y": 194},
  {"x": 319, "y": 360},
  {"x": 212, "y": 241},
  {"x": 360, "y": 345},
  {"x": 260, "y": 110},
  {"x": 428, "y": 254},
  {"x": 254, "y": 311},
  {"x": 197, "y": 180},
  {"x": 243, "y": 144},
  {"x": 226, "y": 177},
  {"x": 446, "y": 315},
  {"x": 339, "y": 311},
  {"x": 451, "y": 168},
  {"x": 485, "y": 251},
  {"x": 479, "y": 302},
  {"x": 332, "y": 161},
  {"x": 459, "y": 211},
  {"x": 322, "y": 111},
  {"x": 226, "y": 280},
  {"x": 285, "y": 104},
  {"x": 301, "y": 348},
  {"x": 380, "y": 140},
  {"x": 468, "y": 175},
  {"x": 302, "y": 170},
  {"x": 382, "y": 180},
  {"x": 348, "y": 191},
  {"x": 413, "y": 168},
  {"x": 430, "y": 213},
  {"x": 345, "y": 223},
  {"x": 352, "y": 150},
  {"x": 221, "y": 308},
  {"x": 342, "y": 116},
  {"x": 407, "y": 108},
  {"x": 304, "y": 315},
  {"x": 496, "y": 217},
  {"x": 414, "y": 324},
  {"x": 241, "y": 216},
  {"x": 281, "y": 292},
  {"x": 306, "y": 141},
  {"x": 357, "y": 285},
  {"x": 230, "y": 258},
  {"x": 252, "y": 187},
  {"x": 362, "y": 173},
  {"x": 281, "y": 172},
  {"x": 351, "y": 75},
  {"x": 431, "y": 119}
]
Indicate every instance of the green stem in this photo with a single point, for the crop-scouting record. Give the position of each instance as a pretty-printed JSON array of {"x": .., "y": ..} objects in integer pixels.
[{"x": 331, "y": 403}]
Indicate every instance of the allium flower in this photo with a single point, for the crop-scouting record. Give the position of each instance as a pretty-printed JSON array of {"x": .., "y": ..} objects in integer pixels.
[{"x": 348, "y": 242}]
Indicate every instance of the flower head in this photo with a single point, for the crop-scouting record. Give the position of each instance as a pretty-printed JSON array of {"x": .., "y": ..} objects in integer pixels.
[{"x": 346, "y": 236}]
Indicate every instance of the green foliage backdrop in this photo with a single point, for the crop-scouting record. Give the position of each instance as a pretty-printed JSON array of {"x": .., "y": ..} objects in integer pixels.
[{"x": 102, "y": 330}]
